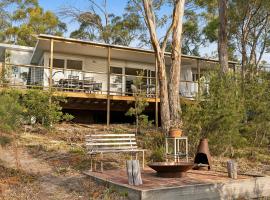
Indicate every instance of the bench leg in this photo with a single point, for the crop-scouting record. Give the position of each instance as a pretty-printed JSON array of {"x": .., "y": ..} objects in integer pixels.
[
  {"x": 91, "y": 161},
  {"x": 142, "y": 159},
  {"x": 101, "y": 164}
]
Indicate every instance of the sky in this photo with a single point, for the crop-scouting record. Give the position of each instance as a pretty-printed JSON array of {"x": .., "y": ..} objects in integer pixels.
[{"x": 114, "y": 6}]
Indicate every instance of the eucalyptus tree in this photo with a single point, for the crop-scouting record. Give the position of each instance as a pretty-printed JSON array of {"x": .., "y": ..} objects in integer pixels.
[
  {"x": 223, "y": 35},
  {"x": 4, "y": 19},
  {"x": 98, "y": 24},
  {"x": 168, "y": 83},
  {"x": 29, "y": 19},
  {"x": 248, "y": 28}
]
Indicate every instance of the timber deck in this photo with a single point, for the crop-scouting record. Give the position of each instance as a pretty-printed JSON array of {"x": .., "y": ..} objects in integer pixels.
[{"x": 196, "y": 185}]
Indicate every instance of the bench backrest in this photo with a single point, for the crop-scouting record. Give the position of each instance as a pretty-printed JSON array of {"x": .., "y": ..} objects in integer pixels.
[{"x": 107, "y": 142}]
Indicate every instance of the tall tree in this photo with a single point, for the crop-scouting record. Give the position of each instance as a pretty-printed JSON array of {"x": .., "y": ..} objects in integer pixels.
[
  {"x": 174, "y": 81},
  {"x": 160, "y": 58},
  {"x": 248, "y": 28},
  {"x": 28, "y": 20},
  {"x": 4, "y": 19},
  {"x": 222, "y": 36},
  {"x": 169, "y": 101},
  {"x": 99, "y": 24}
]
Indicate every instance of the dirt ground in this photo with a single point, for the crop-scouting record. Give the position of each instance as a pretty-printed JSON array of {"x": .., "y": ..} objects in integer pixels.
[{"x": 37, "y": 164}]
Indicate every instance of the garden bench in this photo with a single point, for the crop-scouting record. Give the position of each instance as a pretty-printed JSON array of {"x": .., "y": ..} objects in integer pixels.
[{"x": 112, "y": 143}]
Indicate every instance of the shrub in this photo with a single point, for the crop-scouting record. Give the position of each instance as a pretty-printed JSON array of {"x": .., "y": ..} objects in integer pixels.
[
  {"x": 4, "y": 140},
  {"x": 11, "y": 111},
  {"x": 219, "y": 115},
  {"x": 44, "y": 107},
  {"x": 140, "y": 103}
]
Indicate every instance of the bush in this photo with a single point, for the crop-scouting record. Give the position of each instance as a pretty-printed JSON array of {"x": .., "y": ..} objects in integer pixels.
[
  {"x": 44, "y": 107},
  {"x": 4, "y": 140},
  {"x": 16, "y": 109},
  {"x": 218, "y": 116},
  {"x": 11, "y": 110}
]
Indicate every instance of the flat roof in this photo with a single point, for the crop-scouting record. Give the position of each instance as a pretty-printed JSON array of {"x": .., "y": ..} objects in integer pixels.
[
  {"x": 4, "y": 46},
  {"x": 104, "y": 45}
]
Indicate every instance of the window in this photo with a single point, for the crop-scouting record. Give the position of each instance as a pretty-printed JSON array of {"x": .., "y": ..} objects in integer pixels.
[
  {"x": 116, "y": 70},
  {"x": 135, "y": 72},
  {"x": 153, "y": 74},
  {"x": 74, "y": 64},
  {"x": 195, "y": 77},
  {"x": 57, "y": 63}
]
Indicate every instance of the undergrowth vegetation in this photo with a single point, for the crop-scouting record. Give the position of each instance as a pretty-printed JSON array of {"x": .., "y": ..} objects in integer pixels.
[
  {"x": 233, "y": 114},
  {"x": 35, "y": 106}
]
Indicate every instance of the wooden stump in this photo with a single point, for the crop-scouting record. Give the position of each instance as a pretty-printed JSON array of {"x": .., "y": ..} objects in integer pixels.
[
  {"x": 232, "y": 169},
  {"x": 134, "y": 172}
]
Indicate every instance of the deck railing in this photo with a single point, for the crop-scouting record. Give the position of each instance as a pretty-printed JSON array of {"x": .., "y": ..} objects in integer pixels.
[{"x": 69, "y": 80}]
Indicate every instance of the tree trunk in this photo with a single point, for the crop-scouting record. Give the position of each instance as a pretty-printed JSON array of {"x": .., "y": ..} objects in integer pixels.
[
  {"x": 222, "y": 36},
  {"x": 163, "y": 93},
  {"x": 163, "y": 84},
  {"x": 174, "y": 83}
]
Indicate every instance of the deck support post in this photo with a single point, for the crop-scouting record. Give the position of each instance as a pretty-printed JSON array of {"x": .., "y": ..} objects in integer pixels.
[
  {"x": 108, "y": 85},
  {"x": 51, "y": 71},
  {"x": 199, "y": 77},
  {"x": 156, "y": 94}
]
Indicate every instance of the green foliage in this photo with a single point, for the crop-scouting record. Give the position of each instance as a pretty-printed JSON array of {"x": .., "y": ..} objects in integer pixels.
[
  {"x": 157, "y": 155},
  {"x": 155, "y": 142},
  {"x": 232, "y": 114},
  {"x": 140, "y": 103},
  {"x": 219, "y": 116},
  {"x": 4, "y": 140},
  {"x": 29, "y": 19},
  {"x": 44, "y": 107},
  {"x": 99, "y": 24},
  {"x": 257, "y": 103},
  {"x": 11, "y": 111},
  {"x": 17, "y": 108}
]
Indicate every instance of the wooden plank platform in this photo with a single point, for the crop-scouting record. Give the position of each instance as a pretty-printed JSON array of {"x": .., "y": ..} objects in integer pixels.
[{"x": 196, "y": 185}]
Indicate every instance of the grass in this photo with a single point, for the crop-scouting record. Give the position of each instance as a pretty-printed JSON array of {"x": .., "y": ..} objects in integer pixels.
[
  {"x": 63, "y": 150},
  {"x": 15, "y": 176},
  {"x": 5, "y": 140}
]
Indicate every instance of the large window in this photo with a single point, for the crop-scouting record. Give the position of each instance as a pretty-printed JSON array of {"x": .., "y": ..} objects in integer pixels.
[
  {"x": 57, "y": 63},
  {"x": 74, "y": 64}
]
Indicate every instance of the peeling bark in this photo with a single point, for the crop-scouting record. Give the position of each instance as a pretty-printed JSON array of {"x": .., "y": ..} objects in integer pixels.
[{"x": 175, "y": 71}]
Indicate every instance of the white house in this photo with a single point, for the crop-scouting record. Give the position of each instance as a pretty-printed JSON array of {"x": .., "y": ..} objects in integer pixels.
[{"x": 91, "y": 70}]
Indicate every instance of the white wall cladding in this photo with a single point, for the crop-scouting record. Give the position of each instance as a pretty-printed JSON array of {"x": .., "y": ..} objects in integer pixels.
[
  {"x": 98, "y": 65},
  {"x": 20, "y": 57}
]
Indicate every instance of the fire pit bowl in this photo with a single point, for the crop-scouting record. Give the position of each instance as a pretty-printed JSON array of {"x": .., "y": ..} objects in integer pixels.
[{"x": 171, "y": 169}]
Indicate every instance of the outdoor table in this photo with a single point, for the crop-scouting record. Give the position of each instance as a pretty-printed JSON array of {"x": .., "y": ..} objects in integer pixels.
[{"x": 79, "y": 84}]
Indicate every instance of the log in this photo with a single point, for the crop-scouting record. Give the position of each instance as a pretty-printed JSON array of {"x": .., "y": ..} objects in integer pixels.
[
  {"x": 129, "y": 172},
  {"x": 232, "y": 169},
  {"x": 134, "y": 172}
]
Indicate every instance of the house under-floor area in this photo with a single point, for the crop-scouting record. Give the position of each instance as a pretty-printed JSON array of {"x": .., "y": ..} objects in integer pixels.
[{"x": 97, "y": 79}]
